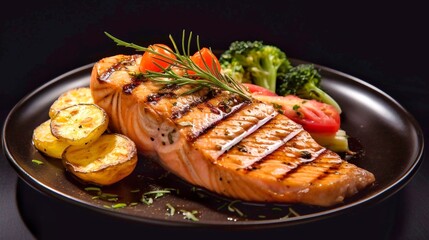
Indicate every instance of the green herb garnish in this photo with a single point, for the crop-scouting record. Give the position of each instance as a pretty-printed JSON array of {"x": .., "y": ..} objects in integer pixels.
[
  {"x": 232, "y": 208},
  {"x": 171, "y": 210},
  {"x": 146, "y": 200},
  {"x": 38, "y": 162},
  {"x": 202, "y": 77},
  {"x": 292, "y": 213},
  {"x": 158, "y": 193},
  {"x": 190, "y": 215},
  {"x": 119, "y": 205},
  {"x": 295, "y": 107},
  {"x": 148, "y": 197},
  {"x": 97, "y": 189}
]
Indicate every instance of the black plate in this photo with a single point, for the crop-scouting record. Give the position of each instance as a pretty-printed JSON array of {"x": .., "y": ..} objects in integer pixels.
[{"x": 389, "y": 141}]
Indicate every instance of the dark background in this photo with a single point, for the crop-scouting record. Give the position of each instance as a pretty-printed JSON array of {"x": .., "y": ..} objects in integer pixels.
[{"x": 381, "y": 43}]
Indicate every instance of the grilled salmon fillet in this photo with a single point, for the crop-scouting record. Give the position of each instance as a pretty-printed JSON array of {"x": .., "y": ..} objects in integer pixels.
[{"x": 213, "y": 139}]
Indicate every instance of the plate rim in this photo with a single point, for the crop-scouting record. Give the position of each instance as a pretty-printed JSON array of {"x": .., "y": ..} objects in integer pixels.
[{"x": 376, "y": 198}]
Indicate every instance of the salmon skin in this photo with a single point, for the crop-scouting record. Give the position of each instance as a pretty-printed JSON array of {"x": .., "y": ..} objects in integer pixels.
[{"x": 213, "y": 139}]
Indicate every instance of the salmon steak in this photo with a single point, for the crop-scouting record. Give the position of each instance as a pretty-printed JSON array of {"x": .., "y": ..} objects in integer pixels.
[{"x": 216, "y": 140}]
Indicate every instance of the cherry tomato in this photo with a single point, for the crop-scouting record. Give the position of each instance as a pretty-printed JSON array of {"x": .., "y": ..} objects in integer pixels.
[
  {"x": 258, "y": 90},
  {"x": 314, "y": 116},
  {"x": 150, "y": 60},
  {"x": 205, "y": 55}
]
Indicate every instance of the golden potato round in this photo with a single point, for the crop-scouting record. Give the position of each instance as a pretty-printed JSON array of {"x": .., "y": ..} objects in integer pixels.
[
  {"x": 71, "y": 97},
  {"x": 106, "y": 161},
  {"x": 44, "y": 141},
  {"x": 79, "y": 124}
]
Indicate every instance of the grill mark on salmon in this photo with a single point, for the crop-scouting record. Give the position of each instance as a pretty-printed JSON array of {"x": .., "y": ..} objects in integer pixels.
[
  {"x": 180, "y": 102},
  {"x": 121, "y": 63},
  {"x": 234, "y": 128},
  {"x": 207, "y": 114},
  {"x": 239, "y": 149},
  {"x": 264, "y": 141},
  {"x": 293, "y": 154}
]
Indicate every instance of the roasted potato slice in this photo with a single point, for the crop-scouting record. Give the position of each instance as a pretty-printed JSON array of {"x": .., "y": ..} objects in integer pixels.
[
  {"x": 47, "y": 143},
  {"x": 79, "y": 124},
  {"x": 71, "y": 97},
  {"x": 107, "y": 160}
]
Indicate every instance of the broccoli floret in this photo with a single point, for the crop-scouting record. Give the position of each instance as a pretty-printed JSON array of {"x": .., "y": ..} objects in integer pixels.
[
  {"x": 304, "y": 81},
  {"x": 254, "y": 62},
  {"x": 235, "y": 70}
]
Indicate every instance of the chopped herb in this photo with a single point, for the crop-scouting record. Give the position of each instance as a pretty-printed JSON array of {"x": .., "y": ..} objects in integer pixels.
[
  {"x": 107, "y": 206},
  {"x": 190, "y": 215},
  {"x": 262, "y": 216},
  {"x": 296, "y": 107},
  {"x": 171, "y": 210},
  {"x": 97, "y": 189},
  {"x": 158, "y": 193},
  {"x": 100, "y": 195},
  {"x": 108, "y": 195},
  {"x": 138, "y": 76},
  {"x": 135, "y": 190},
  {"x": 146, "y": 200},
  {"x": 293, "y": 212},
  {"x": 276, "y": 209},
  {"x": 38, "y": 162},
  {"x": 119, "y": 205},
  {"x": 148, "y": 197},
  {"x": 232, "y": 208},
  {"x": 277, "y": 106},
  {"x": 222, "y": 206},
  {"x": 133, "y": 204}
]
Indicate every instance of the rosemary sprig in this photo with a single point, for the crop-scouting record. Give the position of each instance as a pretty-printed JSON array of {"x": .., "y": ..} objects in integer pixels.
[{"x": 207, "y": 77}]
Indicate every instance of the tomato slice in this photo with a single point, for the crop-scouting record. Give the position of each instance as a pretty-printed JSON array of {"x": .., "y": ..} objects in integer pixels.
[
  {"x": 163, "y": 58},
  {"x": 258, "y": 90},
  {"x": 205, "y": 56},
  {"x": 314, "y": 116}
]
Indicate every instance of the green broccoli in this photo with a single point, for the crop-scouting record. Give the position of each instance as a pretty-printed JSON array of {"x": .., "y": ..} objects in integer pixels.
[
  {"x": 236, "y": 71},
  {"x": 303, "y": 81},
  {"x": 254, "y": 62}
]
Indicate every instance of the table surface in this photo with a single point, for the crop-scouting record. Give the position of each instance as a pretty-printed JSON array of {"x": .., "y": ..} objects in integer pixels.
[{"x": 46, "y": 40}]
